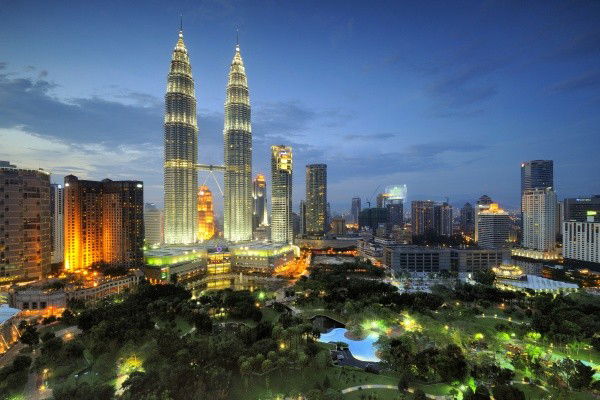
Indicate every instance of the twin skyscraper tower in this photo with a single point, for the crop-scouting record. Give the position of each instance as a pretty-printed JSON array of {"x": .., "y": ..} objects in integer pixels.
[{"x": 181, "y": 152}]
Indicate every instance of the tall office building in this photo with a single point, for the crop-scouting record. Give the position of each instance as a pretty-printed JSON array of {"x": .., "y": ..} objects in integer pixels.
[
  {"x": 422, "y": 216},
  {"x": 57, "y": 232},
  {"x": 281, "y": 194},
  {"x": 581, "y": 239},
  {"x": 238, "y": 154},
  {"x": 442, "y": 219},
  {"x": 259, "y": 200},
  {"x": 104, "y": 223},
  {"x": 302, "y": 217},
  {"x": 355, "y": 210},
  {"x": 316, "y": 199},
  {"x": 537, "y": 174},
  {"x": 154, "y": 224},
  {"x": 393, "y": 200},
  {"x": 538, "y": 208},
  {"x": 493, "y": 227},
  {"x": 25, "y": 244},
  {"x": 483, "y": 203},
  {"x": 467, "y": 219},
  {"x": 181, "y": 150},
  {"x": 576, "y": 209},
  {"x": 373, "y": 217},
  {"x": 206, "y": 214}
]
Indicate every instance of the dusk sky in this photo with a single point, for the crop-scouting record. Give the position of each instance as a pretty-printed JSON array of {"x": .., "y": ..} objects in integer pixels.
[{"x": 446, "y": 97}]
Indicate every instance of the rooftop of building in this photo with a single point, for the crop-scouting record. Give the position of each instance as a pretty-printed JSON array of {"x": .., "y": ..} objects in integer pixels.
[
  {"x": 534, "y": 282},
  {"x": 7, "y": 313}
]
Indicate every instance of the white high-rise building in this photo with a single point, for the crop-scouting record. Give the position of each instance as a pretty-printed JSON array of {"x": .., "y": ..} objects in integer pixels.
[
  {"x": 153, "y": 224},
  {"x": 281, "y": 194},
  {"x": 539, "y": 219},
  {"x": 493, "y": 227},
  {"x": 57, "y": 229},
  {"x": 581, "y": 240}
]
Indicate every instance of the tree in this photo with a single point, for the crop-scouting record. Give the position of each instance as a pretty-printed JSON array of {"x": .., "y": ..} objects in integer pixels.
[
  {"x": 30, "y": 335},
  {"x": 202, "y": 322},
  {"x": 506, "y": 392},
  {"x": 419, "y": 395},
  {"x": 484, "y": 277},
  {"x": 451, "y": 364},
  {"x": 83, "y": 390},
  {"x": 480, "y": 393},
  {"x": 581, "y": 377}
]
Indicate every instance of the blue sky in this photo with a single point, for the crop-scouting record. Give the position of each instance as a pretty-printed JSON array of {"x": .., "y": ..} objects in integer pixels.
[{"x": 446, "y": 97}]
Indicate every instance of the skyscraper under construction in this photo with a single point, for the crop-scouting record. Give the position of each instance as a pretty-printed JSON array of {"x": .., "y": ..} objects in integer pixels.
[
  {"x": 237, "y": 134},
  {"x": 181, "y": 150}
]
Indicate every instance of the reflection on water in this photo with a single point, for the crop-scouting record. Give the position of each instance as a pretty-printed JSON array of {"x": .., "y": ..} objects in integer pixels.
[{"x": 363, "y": 350}]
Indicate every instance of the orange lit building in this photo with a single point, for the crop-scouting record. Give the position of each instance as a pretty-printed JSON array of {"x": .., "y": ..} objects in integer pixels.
[
  {"x": 104, "y": 223},
  {"x": 206, "y": 215}
]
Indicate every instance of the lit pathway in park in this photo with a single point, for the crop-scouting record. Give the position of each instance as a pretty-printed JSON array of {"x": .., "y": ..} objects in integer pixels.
[
  {"x": 389, "y": 387},
  {"x": 374, "y": 386}
]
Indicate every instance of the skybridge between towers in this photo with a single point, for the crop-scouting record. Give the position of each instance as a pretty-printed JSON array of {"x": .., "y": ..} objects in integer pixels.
[{"x": 211, "y": 169}]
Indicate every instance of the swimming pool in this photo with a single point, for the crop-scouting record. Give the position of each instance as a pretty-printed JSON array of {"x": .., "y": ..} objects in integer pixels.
[{"x": 363, "y": 350}]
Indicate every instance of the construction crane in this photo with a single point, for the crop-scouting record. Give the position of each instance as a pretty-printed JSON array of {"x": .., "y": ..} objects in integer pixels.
[{"x": 368, "y": 199}]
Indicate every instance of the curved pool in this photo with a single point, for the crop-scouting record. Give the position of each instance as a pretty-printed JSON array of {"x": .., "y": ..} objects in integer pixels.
[{"x": 363, "y": 350}]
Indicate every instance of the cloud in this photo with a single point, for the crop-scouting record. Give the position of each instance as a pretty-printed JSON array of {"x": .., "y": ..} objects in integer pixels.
[
  {"x": 371, "y": 136},
  {"x": 30, "y": 103},
  {"x": 588, "y": 80}
]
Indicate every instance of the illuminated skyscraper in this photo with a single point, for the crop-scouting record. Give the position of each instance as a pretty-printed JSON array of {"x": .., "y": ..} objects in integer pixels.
[
  {"x": 259, "y": 199},
  {"x": 493, "y": 230},
  {"x": 104, "y": 223},
  {"x": 57, "y": 232},
  {"x": 422, "y": 216},
  {"x": 181, "y": 150},
  {"x": 25, "y": 245},
  {"x": 281, "y": 194},
  {"x": 537, "y": 174},
  {"x": 316, "y": 199},
  {"x": 238, "y": 154},
  {"x": 206, "y": 214}
]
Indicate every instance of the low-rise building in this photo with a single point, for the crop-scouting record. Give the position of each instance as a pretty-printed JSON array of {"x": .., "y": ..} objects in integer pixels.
[
  {"x": 511, "y": 277},
  {"x": 9, "y": 320}
]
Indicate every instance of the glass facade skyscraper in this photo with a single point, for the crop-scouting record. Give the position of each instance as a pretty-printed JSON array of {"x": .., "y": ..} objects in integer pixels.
[
  {"x": 281, "y": 194},
  {"x": 181, "y": 150},
  {"x": 316, "y": 199},
  {"x": 237, "y": 134},
  {"x": 537, "y": 174}
]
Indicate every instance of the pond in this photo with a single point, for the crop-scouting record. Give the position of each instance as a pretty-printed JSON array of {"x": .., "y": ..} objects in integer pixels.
[{"x": 363, "y": 350}]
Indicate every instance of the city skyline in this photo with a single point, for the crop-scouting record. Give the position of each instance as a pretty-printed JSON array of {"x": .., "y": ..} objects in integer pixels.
[{"x": 461, "y": 135}]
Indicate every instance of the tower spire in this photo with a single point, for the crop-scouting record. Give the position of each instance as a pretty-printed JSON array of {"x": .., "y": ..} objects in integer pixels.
[
  {"x": 180, "y": 22},
  {"x": 237, "y": 38}
]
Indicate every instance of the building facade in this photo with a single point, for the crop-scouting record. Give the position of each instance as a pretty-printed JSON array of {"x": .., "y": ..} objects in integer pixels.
[
  {"x": 493, "y": 228},
  {"x": 316, "y": 199},
  {"x": 237, "y": 134},
  {"x": 581, "y": 240},
  {"x": 154, "y": 221},
  {"x": 422, "y": 216},
  {"x": 442, "y": 219},
  {"x": 206, "y": 215},
  {"x": 576, "y": 209},
  {"x": 259, "y": 202},
  {"x": 25, "y": 241},
  {"x": 104, "y": 223},
  {"x": 373, "y": 217},
  {"x": 281, "y": 194},
  {"x": 181, "y": 150},
  {"x": 467, "y": 219},
  {"x": 538, "y": 208},
  {"x": 57, "y": 232},
  {"x": 537, "y": 174},
  {"x": 355, "y": 210}
]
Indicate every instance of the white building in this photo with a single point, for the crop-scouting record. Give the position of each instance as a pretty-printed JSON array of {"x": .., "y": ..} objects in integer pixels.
[
  {"x": 154, "y": 222},
  {"x": 581, "y": 240},
  {"x": 493, "y": 227},
  {"x": 57, "y": 207},
  {"x": 539, "y": 219}
]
